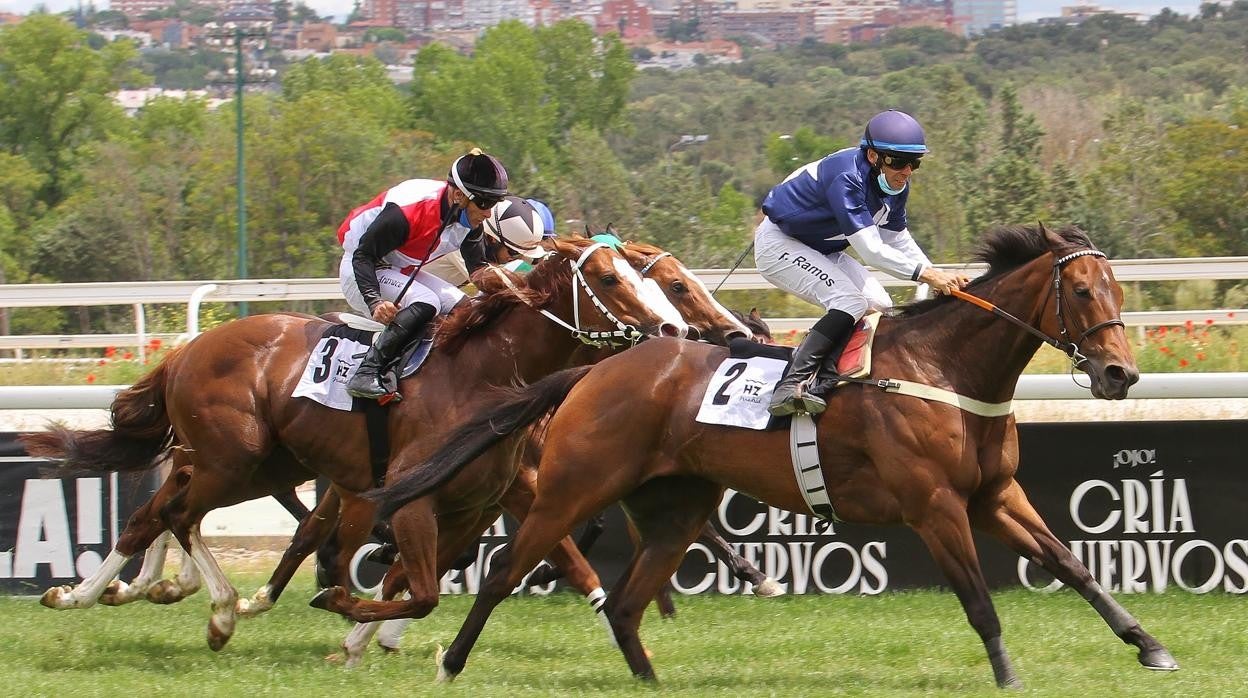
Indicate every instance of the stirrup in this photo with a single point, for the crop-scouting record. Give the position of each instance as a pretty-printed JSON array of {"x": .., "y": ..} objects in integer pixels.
[{"x": 802, "y": 400}]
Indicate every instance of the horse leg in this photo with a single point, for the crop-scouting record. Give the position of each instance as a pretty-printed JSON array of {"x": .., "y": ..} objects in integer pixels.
[
  {"x": 557, "y": 509},
  {"x": 566, "y": 558},
  {"x": 663, "y": 597},
  {"x": 545, "y": 573},
  {"x": 668, "y": 513},
  {"x": 945, "y": 529},
  {"x": 742, "y": 569},
  {"x": 1011, "y": 518},
  {"x": 142, "y": 529},
  {"x": 312, "y": 531},
  {"x": 427, "y": 544},
  {"x": 393, "y": 584},
  {"x": 119, "y": 593}
]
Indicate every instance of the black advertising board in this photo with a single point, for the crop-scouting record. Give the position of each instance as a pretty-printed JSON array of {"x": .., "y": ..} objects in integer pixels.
[{"x": 56, "y": 531}]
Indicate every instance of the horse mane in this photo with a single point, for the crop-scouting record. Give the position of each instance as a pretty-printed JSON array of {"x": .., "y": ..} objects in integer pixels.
[
  {"x": 537, "y": 289},
  {"x": 1004, "y": 249}
]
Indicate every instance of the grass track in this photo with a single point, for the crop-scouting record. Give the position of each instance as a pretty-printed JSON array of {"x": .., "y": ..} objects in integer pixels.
[{"x": 893, "y": 645}]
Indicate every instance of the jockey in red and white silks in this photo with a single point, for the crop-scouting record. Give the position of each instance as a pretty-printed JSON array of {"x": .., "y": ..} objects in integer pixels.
[{"x": 398, "y": 231}]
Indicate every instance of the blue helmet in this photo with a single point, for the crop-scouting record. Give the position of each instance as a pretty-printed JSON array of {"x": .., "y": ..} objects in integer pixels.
[
  {"x": 548, "y": 218},
  {"x": 894, "y": 132}
]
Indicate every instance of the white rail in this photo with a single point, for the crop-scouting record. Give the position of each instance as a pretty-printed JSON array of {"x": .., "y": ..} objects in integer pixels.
[
  {"x": 1030, "y": 387},
  {"x": 193, "y": 293}
]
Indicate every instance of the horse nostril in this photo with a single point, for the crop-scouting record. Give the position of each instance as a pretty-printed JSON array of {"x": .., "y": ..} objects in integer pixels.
[
  {"x": 1121, "y": 375},
  {"x": 693, "y": 333},
  {"x": 667, "y": 329}
]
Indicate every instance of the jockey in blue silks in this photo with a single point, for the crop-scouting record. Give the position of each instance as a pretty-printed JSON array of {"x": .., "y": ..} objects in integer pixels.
[{"x": 855, "y": 197}]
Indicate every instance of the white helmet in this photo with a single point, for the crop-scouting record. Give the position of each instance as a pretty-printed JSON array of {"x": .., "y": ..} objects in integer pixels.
[{"x": 517, "y": 225}]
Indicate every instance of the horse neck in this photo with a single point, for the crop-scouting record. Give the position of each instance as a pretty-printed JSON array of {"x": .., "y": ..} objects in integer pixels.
[
  {"x": 987, "y": 353},
  {"x": 522, "y": 344}
]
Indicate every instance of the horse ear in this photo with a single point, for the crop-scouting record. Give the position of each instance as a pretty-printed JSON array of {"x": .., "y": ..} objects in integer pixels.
[
  {"x": 755, "y": 315},
  {"x": 1054, "y": 240}
]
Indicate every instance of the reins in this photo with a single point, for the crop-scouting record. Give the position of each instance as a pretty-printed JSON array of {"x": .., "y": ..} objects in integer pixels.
[
  {"x": 595, "y": 338},
  {"x": 1070, "y": 348}
]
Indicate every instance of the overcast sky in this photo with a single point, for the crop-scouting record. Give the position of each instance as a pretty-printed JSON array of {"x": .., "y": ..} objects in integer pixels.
[{"x": 1028, "y": 10}]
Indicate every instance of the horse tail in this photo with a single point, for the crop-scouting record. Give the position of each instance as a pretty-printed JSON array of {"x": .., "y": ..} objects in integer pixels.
[
  {"x": 517, "y": 410},
  {"x": 140, "y": 436}
]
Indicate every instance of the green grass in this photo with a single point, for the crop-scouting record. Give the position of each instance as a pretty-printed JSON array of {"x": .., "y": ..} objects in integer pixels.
[{"x": 895, "y": 645}]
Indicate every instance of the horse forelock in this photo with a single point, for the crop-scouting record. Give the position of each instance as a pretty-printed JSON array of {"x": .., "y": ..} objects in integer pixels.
[{"x": 1004, "y": 249}]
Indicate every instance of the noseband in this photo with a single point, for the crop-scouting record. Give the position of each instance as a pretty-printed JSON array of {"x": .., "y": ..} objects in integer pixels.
[
  {"x": 628, "y": 333},
  {"x": 1071, "y": 349}
]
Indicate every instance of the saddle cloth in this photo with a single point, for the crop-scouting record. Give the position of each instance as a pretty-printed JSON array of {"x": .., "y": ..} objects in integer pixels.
[
  {"x": 336, "y": 356},
  {"x": 740, "y": 390}
]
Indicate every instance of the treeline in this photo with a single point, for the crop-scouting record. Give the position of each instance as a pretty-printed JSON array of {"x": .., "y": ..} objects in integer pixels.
[{"x": 1136, "y": 132}]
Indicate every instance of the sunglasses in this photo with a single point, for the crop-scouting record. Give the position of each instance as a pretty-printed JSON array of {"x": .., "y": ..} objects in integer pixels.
[
  {"x": 484, "y": 203},
  {"x": 900, "y": 162}
]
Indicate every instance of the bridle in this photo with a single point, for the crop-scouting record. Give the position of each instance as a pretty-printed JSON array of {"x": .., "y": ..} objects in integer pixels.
[
  {"x": 1062, "y": 342},
  {"x": 623, "y": 334}
]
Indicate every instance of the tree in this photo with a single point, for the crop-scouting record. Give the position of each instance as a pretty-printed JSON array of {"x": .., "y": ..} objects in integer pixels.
[
  {"x": 55, "y": 96},
  {"x": 587, "y": 76},
  {"x": 361, "y": 80},
  {"x": 788, "y": 152}
]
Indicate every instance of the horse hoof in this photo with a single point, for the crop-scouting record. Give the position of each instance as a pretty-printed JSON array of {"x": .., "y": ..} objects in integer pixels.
[
  {"x": 55, "y": 597},
  {"x": 217, "y": 636},
  {"x": 322, "y": 599},
  {"x": 165, "y": 592},
  {"x": 444, "y": 676},
  {"x": 1013, "y": 683},
  {"x": 387, "y": 649},
  {"x": 115, "y": 594},
  {"x": 768, "y": 589},
  {"x": 1158, "y": 659}
]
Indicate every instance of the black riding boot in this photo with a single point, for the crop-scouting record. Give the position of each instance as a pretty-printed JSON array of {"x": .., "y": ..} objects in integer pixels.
[
  {"x": 826, "y": 340},
  {"x": 407, "y": 322}
]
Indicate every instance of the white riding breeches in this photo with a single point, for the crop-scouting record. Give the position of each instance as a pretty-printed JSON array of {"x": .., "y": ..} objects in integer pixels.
[
  {"x": 426, "y": 288},
  {"x": 833, "y": 282}
]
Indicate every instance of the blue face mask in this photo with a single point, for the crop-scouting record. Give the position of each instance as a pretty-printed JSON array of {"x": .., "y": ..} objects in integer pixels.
[{"x": 883, "y": 182}]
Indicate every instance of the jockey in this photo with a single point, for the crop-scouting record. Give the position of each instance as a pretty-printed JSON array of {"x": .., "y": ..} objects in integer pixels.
[
  {"x": 548, "y": 218},
  {"x": 854, "y": 197},
  {"x": 514, "y": 230},
  {"x": 388, "y": 240}
]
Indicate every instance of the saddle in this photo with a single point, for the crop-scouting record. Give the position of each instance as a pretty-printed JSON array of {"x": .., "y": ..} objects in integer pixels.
[{"x": 855, "y": 361}]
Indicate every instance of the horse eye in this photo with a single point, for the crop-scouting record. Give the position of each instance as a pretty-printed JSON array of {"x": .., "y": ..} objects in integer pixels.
[
  {"x": 610, "y": 280},
  {"x": 680, "y": 287}
]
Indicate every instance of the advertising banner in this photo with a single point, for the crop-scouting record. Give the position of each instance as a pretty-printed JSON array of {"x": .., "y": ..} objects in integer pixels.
[
  {"x": 1146, "y": 506},
  {"x": 56, "y": 531}
]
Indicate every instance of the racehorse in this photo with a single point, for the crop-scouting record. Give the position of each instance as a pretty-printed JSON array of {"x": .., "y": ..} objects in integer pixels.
[
  {"x": 221, "y": 406},
  {"x": 625, "y": 430}
]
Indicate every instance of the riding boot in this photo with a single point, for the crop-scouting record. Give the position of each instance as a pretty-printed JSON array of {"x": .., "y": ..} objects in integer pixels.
[
  {"x": 367, "y": 381},
  {"x": 826, "y": 340}
]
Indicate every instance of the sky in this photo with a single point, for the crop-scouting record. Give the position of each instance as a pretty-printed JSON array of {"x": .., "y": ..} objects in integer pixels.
[{"x": 1028, "y": 10}]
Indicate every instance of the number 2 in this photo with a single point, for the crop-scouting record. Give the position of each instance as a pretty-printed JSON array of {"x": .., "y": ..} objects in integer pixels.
[{"x": 734, "y": 372}]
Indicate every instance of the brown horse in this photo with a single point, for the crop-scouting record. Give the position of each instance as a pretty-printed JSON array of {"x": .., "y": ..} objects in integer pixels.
[
  {"x": 222, "y": 404},
  {"x": 625, "y": 430}
]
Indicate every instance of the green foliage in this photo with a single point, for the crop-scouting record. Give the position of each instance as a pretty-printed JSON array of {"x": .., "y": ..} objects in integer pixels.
[
  {"x": 787, "y": 152},
  {"x": 55, "y": 96}
]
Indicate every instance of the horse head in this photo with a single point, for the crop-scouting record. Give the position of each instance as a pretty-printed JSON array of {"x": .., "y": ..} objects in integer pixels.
[
  {"x": 706, "y": 317},
  {"x": 608, "y": 297},
  {"x": 1088, "y": 303}
]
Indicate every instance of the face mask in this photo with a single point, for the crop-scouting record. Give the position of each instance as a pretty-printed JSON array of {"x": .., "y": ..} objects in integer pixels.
[{"x": 883, "y": 182}]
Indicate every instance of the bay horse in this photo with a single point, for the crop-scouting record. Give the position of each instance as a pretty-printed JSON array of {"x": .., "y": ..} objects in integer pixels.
[
  {"x": 624, "y": 429},
  {"x": 221, "y": 407}
]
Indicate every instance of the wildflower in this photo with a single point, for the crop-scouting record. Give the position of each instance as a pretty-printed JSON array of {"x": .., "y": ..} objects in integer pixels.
[
  {"x": 109, "y": 352},
  {"x": 101, "y": 362},
  {"x": 1200, "y": 356},
  {"x": 1161, "y": 331},
  {"x": 90, "y": 377},
  {"x": 1208, "y": 321},
  {"x": 1188, "y": 325},
  {"x": 128, "y": 355},
  {"x": 154, "y": 343},
  {"x": 1182, "y": 363},
  {"x": 1164, "y": 349}
]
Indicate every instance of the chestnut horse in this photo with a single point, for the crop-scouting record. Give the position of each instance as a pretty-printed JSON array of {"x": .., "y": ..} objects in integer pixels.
[
  {"x": 222, "y": 406},
  {"x": 625, "y": 430}
]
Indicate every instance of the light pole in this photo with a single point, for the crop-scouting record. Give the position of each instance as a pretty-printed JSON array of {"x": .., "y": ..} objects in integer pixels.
[{"x": 252, "y": 31}]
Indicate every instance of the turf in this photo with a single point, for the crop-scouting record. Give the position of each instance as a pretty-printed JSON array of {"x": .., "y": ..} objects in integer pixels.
[{"x": 900, "y": 644}]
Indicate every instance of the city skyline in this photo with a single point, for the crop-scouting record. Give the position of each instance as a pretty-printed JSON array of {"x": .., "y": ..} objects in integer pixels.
[{"x": 1028, "y": 10}]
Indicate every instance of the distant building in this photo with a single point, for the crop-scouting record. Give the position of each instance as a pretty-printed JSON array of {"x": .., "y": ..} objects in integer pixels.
[
  {"x": 628, "y": 18},
  {"x": 978, "y": 16}
]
